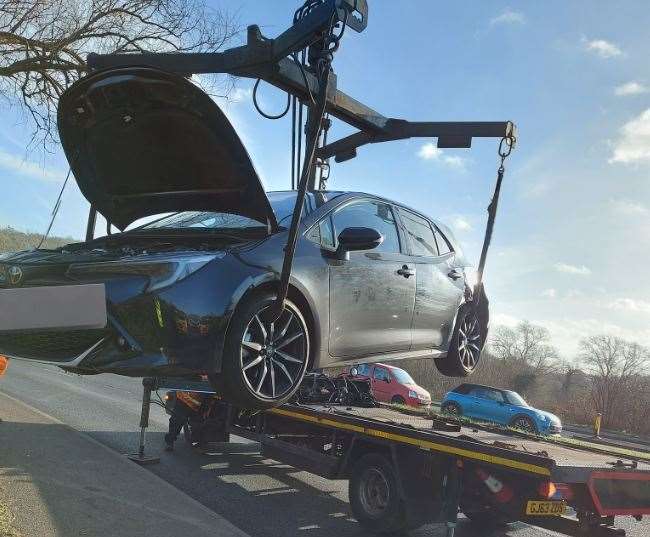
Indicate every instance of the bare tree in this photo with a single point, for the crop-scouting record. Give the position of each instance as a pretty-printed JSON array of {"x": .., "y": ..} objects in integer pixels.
[
  {"x": 615, "y": 366},
  {"x": 526, "y": 345},
  {"x": 43, "y": 43}
]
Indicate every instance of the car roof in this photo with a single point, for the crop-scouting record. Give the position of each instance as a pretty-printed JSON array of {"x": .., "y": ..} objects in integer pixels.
[{"x": 472, "y": 385}]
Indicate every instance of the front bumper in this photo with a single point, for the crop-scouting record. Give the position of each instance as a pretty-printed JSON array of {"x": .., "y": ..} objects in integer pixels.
[{"x": 554, "y": 428}]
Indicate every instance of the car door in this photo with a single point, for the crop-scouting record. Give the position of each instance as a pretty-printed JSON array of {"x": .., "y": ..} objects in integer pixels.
[
  {"x": 381, "y": 384},
  {"x": 476, "y": 403},
  {"x": 439, "y": 288},
  {"x": 373, "y": 292},
  {"x": 494, "y": 408}
]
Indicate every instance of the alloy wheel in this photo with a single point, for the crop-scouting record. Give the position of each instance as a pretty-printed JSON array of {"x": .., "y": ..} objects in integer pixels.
[
  {"x": 274, "y": 353},
  {"x": 469, "y": 341},
  {"x": 524, "y": 424},
  {"x": 374, "y": 492}
]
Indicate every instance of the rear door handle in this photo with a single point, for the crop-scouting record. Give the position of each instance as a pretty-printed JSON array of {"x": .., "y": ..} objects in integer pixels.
[
  {"x": 454, "y": 274},
  {"x": 406, "y": 271}
]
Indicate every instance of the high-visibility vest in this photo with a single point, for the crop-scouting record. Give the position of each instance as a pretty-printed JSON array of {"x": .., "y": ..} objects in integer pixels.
[
  {"x": 4, "y": 364},
  {"x": 190, "y": 399}
]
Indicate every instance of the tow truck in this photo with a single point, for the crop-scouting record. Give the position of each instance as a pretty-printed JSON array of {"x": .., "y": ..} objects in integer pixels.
[
  {"x": 406, "y": 470},
  {"x": 403, "y": 471}
]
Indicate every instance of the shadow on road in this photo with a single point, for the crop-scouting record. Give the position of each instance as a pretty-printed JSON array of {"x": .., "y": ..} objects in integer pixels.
[{"x": 263, "y": 497}]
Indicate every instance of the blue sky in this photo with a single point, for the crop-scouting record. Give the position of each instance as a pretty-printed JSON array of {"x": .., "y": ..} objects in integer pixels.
[{"x": 571, "y": 244}]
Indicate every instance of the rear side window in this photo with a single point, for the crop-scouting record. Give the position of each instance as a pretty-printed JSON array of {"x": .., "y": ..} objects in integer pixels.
[
  {"x": 363, "y": 369},
  {"x": 443, "y": 244},
  {"x": 420, "y": 235},
  {"x": 381, "y": 374},
  {"x": 376, "y": 215}
]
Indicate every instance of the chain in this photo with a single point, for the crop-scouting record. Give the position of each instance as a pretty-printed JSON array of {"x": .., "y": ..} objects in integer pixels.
[{"x": 506, "y": 145}]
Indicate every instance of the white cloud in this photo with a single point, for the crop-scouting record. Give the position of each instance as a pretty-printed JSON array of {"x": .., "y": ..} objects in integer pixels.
[
  {"x": 604, "y": 49},
  {"x": 238, "y": 95},
  {"x": 633, "y": 144},
  {"x": 508, "y": 17},
  {"x": 503, "y": 319},
  {"x": 27, "y": 168},
  {"x": 630, "y": 88},
  {"x": 429, "y": 151},
  {"x": 630, "y": 304},
  {"x": 628, "y": 207},
  {"x": 572, "y": 269},
  {"x": 549, "y": 293},
  {"x": 461, "y": 224}
]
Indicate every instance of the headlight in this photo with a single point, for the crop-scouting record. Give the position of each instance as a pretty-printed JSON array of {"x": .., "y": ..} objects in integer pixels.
[
  {"x": 162, "y": 271},
  {"x": 413, "y": 394}
]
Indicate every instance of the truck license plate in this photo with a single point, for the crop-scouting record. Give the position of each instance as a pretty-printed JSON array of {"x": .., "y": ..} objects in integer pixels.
[{"x": 537, "y": 508}]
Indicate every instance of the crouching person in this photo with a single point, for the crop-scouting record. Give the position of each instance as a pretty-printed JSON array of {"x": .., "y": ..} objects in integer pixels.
[{"x": 186, "y": 408}]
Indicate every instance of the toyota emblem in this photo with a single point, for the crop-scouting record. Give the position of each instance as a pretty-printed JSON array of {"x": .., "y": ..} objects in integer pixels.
[{"x": 15, "y": 275}]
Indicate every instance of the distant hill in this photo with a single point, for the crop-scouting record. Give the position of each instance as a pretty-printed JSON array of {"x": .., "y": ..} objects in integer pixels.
[{"x": 15, "y": 241}]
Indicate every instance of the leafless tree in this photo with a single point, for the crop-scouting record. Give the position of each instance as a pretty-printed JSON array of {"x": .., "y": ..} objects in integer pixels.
[
  {"x": 526, "y": 345},
  {"x": 43, "y": 43},
  {"x": 616, "y": 367}
]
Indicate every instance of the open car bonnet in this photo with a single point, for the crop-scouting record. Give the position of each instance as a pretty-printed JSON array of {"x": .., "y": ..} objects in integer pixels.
[{"x": 142, "y": 141}]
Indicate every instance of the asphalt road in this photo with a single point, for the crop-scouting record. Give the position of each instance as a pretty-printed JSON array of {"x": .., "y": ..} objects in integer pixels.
[{"x": 260, "y": 496}]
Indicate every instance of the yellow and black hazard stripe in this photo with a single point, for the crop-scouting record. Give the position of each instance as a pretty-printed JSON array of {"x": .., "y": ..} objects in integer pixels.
[{"x": 413, "y": 441}]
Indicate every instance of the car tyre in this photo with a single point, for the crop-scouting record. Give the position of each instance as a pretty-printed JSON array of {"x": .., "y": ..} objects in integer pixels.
[
  {"x": 374, "y": 495},
  {"x": 398, "y": 400},
  {"x": 524, "y": 423},
  {"x": 264, "y": 360},
  {"x": 451, "y": 408},
  {"x": 467, "y": 340}
]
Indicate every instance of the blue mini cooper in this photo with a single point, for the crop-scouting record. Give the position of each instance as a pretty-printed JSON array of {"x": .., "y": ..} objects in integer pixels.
[{"x": 504, "y": 407}]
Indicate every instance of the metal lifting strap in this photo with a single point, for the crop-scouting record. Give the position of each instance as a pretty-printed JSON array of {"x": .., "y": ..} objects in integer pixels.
[
  {"x": 321, "y": 54},
  {"x": 506, "y": 146}
]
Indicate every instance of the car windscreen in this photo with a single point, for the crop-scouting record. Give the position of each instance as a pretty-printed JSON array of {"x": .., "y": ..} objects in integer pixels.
[
  {"x": 402, "y": 376},
  {"x": 281, "y": 202},
  {"x": 203, "y": 220},
  {"x": 515, "y": 399}
]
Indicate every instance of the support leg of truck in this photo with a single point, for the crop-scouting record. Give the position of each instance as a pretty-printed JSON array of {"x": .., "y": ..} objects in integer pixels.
[{"x": 140, "y": 457}]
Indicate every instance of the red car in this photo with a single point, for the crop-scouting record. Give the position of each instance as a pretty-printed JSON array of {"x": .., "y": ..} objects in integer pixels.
[{"x": 391, "y": 384}]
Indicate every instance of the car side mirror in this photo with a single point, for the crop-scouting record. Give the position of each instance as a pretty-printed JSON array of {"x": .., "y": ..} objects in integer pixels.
[
  {"x": 358, "y": 238},
  {"x": 387, "y": 380}
]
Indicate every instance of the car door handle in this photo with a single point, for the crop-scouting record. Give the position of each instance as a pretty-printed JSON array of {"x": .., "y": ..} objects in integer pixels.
[
  {"x": 406, "y": 271},
  {"x": 454, "y": 274}
]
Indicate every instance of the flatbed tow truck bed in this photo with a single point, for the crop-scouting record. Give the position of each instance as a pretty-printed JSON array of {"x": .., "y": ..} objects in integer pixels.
[{"x": 405, "y": 471}]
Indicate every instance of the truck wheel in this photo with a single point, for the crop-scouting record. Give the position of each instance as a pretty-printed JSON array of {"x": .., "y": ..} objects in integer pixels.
[
  {"x": 466, "y": 345},
  {"x": 264, "y": 360},
  {"x": 374, "y": 495},
  {"x": 398, "y": 400}
]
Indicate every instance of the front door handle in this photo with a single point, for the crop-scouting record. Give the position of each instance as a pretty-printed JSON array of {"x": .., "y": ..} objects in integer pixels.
[
  {"x": 454, "y": 274},
  {"x": 406, "y": 271}
]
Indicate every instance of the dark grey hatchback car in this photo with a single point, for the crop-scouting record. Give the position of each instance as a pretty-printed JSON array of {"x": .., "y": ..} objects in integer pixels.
[{"x": 189, "y": 293}]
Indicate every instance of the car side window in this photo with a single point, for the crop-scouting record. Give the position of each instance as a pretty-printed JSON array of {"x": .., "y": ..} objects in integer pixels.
[
  {"x": 375, "y": 215},
  {"x": 381, "y": 374},
  {"x": 494, "y": 395},
  {"x": 420, "y": 234},
  {"x": 443, "y": 244},
  {"x": 478, "y": 392},
  {"x": 322, "y": 233},
  {"x": 363, "y": 369}
]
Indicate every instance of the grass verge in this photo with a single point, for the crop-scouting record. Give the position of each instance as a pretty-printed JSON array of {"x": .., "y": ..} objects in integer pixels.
[
  {"x": 7, "y": 528},
  {"x": 435, "y": 412}
]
